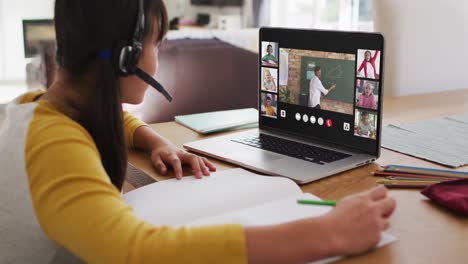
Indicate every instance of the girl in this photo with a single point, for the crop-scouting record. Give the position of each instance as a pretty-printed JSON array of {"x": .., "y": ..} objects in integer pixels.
[
  {"x": 268, "y": 81},
  {"x": 367, "y": 99},
  {"x": 63, "y": 157},
  {"x": 368, "y": 65},
  {"x": 268, "y": 109}
]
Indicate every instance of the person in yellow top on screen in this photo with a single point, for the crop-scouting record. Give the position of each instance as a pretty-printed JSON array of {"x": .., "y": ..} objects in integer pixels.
[
  {"x": 63, "y": 155},
  {"x": 316, "y": 88},
  {"x": 269, "y": 110}
]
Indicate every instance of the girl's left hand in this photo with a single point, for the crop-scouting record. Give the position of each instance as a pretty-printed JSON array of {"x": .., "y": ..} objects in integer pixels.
[{"x": 167, "y": 154}]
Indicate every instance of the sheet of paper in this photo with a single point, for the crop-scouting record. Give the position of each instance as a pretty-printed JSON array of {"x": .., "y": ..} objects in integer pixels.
[
  {"x": 443, "y": 140},
  {"x": 174, "y": 202},
  {"x": 459, "y": 118}
]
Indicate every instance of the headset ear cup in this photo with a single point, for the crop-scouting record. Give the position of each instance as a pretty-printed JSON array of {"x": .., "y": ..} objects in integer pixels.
[
  {"x": 119, "y": 60},
  {"x": 128, "y": 60},
  {"x": 124, "y": 60}
]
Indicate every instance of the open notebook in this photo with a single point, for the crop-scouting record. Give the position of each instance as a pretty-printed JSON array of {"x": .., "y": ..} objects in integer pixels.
[{"x": 229, "y": 196}]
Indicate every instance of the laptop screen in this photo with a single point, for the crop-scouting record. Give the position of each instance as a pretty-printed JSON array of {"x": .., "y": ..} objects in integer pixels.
[{"x": 324, "y": 85}]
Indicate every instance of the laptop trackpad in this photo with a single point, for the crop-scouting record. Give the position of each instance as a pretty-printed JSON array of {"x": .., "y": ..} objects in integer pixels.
[{"x": 255, "y": 157}]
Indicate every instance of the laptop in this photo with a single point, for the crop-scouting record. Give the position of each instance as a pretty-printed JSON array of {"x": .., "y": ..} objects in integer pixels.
[{"x": 320, "y": 106}]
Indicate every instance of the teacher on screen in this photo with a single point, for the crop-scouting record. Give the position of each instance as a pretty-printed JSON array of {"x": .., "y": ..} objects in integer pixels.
[{"x": 316, "y": 88}]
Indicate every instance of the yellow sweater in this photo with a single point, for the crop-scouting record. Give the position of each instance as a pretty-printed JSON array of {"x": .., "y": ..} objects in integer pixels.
[{"x": 77, "y": 206}]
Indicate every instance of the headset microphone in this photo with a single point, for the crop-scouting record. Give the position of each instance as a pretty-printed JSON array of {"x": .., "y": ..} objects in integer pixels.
[
  {"x": 130, "y": 55},
  {"x": 155, "y": 84}
]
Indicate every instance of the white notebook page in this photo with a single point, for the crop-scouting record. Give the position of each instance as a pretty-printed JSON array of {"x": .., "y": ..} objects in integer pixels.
[{"x": 174, "y": 202}]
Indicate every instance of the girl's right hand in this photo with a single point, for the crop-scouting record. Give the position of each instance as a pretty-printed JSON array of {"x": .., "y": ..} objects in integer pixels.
[
  {"x": 353, "y": 227},
  {"x": 358, "y": 220}
]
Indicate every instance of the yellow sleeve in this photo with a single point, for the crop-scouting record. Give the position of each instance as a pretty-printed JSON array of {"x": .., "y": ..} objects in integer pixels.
[
  {"x": 130, "y": 124},
  {"x": 31, "y": 96},
  {"x": 79, "y": 208}
]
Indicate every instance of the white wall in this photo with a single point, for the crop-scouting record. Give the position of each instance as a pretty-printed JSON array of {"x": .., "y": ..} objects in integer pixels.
[
  {"x": 12, "y": 12},
  {"x": 426, "y": 45},
  {"x": 2, "y": 50}
]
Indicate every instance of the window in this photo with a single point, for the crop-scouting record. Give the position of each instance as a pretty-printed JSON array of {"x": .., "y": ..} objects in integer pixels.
[{"x": 323, "y": 14}]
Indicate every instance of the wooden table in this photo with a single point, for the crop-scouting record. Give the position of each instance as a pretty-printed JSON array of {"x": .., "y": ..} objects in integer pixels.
[{"x": 426, "y": 233}]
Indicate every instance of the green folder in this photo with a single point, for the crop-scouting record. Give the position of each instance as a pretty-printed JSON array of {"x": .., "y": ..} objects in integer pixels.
[{"x": 206, "y": 123}]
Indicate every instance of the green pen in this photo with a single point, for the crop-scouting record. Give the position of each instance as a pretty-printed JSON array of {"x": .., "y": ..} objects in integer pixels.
[{"x": 316, "y": 202}]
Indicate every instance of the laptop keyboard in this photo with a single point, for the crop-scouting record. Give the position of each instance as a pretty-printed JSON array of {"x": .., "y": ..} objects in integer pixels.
[{"x": 292, "y": 148}]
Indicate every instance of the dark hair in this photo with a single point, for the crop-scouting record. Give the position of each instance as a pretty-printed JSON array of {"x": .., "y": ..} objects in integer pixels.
[
  {"x": 269, "y": 46},
  {"x": 367, "y": 52},
  {"x": 363, "y": 114},
  {"x": 317, "y": 68},
  {"x": 84, "y": 28},
  {"x": 268, "y": 98}
]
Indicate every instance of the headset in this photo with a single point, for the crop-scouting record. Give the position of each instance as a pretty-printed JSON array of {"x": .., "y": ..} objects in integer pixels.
[{"x": 130, "y": 55}]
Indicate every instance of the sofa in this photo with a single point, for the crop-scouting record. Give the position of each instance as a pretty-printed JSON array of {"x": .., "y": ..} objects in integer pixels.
[{"x": 202, "y": 75}]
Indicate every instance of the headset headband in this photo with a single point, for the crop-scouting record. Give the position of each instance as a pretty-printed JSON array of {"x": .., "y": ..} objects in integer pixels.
[
  {"x": 140, "y": 24},
  {"x": 133, "y": 54},
  {"x": 127, "y": 62}
]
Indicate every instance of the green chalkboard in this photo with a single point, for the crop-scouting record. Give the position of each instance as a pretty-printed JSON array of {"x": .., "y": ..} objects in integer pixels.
[{"x": 334, "y": 71}]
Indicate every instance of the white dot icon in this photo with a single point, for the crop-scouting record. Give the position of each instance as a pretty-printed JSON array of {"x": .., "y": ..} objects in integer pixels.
[
  {"x": 320, "y": 121},
  {"x": 313, "y": 119},
  {"x": 298, "y": 117},
  {"x": 305, "y": 118}
]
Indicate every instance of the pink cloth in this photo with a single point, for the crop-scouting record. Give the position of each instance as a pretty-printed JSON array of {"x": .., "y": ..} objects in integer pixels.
[
  {"x": 367, "y": 101},
  {"x": 452, "y": 195}
]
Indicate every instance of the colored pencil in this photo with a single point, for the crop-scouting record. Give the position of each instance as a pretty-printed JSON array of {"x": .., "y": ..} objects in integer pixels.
[
  {"x": 385, "y": 173},
  {"x": 424, "y": 174},
  {"x": 415, "y": 179},
  {"x": 406, "y": 182},
  {"x": 404, "y": 186},
  {"x": 426, "y": 171},
  {"x": 316, "y": 202}
]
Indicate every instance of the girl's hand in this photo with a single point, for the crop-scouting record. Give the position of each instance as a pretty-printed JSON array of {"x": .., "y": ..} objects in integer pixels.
[
  {"x": 357, "y": 221},
  {"x": 167, "y": 154},
  {"x": 353, "y": 227}
]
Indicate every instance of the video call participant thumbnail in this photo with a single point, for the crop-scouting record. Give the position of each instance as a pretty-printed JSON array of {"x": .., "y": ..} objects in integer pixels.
[
  {"x": 366, "y": 98},
  {"x": 269, "y": 105},
  {"x": 269, "y": 79},
  {"x": 269, "y": 58},
  {"x": 369, "y": 68},
  {"x": 316, "y": 88},
  {"x": 365, "y": 124}
]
